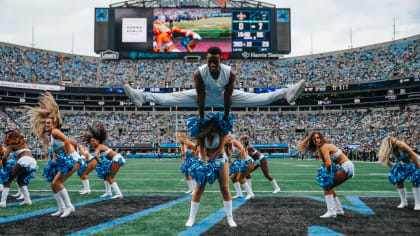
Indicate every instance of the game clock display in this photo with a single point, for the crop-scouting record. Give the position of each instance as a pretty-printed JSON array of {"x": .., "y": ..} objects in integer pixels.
[{"x": 251, "y": 30}]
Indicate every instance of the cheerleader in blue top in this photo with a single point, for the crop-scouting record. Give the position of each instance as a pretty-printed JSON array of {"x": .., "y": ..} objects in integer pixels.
[
  {"x": 109, "y": 162},
  {"x": 47, "y": 119},
  {"x": 336, "y": 170},
  {"x": 210, "y": 134},
  {"x": 240, "y": 168},
  {"x": 407, "y": 165},
  {"x": 88, "y": 166},
  {"x": 21, "y": 167},
  {"x": 187, "y": 151}
]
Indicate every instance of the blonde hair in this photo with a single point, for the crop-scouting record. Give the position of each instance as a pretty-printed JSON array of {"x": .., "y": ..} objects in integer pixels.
[
  {"x": 48, "y": 109},
  {"x": 385, "y": 150},
  {"x": 182, "y": 136}
]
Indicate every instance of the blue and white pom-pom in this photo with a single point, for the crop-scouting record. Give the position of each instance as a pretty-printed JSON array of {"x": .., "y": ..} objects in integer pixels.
[
  {"x": 212, "y": 171},
  {"x": 325, "y": 179},
  {"x": 195, "y": 124},
  {"x": 197, "y": 171},
  {"x": 64, "y": 163},
  {"x": 234, "y": 167},
  {"x": 28, "y": 178},
  {"x": 5, "y": 172},
  {"x": 103, "y": 168},
  {"x": 244, "y": 165},
  {"x": 399, "y": 172},
  {"x": 50, "y": 171},
  {"x": 415, "y": 176},
  {"x": 82, "y": 168}
]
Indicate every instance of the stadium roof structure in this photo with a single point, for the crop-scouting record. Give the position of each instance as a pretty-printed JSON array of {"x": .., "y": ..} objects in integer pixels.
[{"x": 193, "y": 3}]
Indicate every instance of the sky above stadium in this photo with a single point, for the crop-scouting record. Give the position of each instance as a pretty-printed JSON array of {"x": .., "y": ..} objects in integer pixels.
[{"x": 329, "y": 21}]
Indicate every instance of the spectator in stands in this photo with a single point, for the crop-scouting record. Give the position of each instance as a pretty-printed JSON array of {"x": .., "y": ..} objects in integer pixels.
[
  {"x": 187, "y": 152},
  {"x": 47, "y": 119},
  {"x": 336, "y": 170},
  {"x": 260, "y": 160},
  {"x": 214, "y": 84},
  {"x": 407, "y": 166},
  {"x": 109, "y": 163}
]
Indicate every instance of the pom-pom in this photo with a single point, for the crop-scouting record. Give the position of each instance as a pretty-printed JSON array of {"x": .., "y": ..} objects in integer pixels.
[
  {"x": 325, "y": 179},
  {"x": 197, "y": 171},
  {"x": 234, "y": 167},
  {"x": 195, "y": 124},
  {"x": 64, "y": 163},
  {"x": 399, "y": 172},
  {"x": 415, "y": 176},
  {"x": 103, "y": 168},
  {"x": 50, "y": 171},
  {"x": 5, "y": 172},
  {"x": 28, "y": 178},
  {"x": 82, "y": 168}
]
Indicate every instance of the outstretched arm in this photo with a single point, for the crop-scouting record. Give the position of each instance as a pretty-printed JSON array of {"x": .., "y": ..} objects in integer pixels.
[
  {"x": 228, "y": 94},
  {"x": 201, "y": 93}
]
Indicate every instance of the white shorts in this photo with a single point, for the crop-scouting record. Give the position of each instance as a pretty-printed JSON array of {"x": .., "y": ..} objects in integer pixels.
[
  {"x": 348, "y": 168},
  {"x": 75, "y": 156},
  {"x": 27, "y": 161},
  {"x": 117, "y": 159}
]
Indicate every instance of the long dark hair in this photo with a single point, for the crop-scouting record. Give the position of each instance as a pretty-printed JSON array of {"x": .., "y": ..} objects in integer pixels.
[
  {"x": 209, "y": 127},
  {"x": 309, "y": 145},
  {"x": 97, "y": 131}
]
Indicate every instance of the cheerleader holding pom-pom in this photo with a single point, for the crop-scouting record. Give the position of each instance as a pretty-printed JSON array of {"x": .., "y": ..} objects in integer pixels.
[
  {"x": 407, "y": 166},
  {"x": 336, "y": 169},
  {"x": 109, "y": 162},
  {"x": 47, "y": 119},
  {"x": 187, "y": 151},
  {"x": 210, "y": 133},
  {"x": 89, "y": 163}
]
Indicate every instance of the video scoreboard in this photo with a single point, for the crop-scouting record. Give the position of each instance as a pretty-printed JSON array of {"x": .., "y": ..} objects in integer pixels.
[{"x": 178, "y": 32}]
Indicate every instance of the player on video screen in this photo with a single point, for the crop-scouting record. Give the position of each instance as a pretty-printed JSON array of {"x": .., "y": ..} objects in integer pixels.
[
  {"x": 190, "y": 40},
  {"x": 163, "y": 36}
]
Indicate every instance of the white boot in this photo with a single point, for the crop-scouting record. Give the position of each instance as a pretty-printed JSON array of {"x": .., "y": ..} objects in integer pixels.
[
  {"x": 416, "y": 193},
  {"x": 4, "y": 195},
  {"x": 108, "y": 192},
  {"x": 330, "y": 206},
  {"x": 18, "y": 194},
  {"x": 295, "y": 90},
  {"x": 193, "y": 213},
  {"x": 229, "y": 216},
  {"x": 249, "y": 193},
  {"x": 1, "y": 187},
  {"x": 337, "y": 206},
  {"x": 26, "y": 196},
  {"x": 60, "y": 203},
  {"x": 136, "y": 96},
  {"x": 86, "y": 187},
  {"x": 118, "y": 194},
  {"x": 189, "y": 187},
  {"x": 238, "y": 190},
  {"x": 20, "y": 197},
  {"x": 249, "y": 181},
  {"x": 69, "y": 208},
  {"x": 275, "y": 186},
  {"x": 193, "y": 185},
  {"x": 403, "y": 197}
]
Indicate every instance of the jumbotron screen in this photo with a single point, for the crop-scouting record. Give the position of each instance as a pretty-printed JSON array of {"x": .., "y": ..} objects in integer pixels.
[{"x": 178, "y": 32}]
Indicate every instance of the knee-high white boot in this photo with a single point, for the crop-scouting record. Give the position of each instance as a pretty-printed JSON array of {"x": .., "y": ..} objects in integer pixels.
[
  {"x": 238, "y": 190},
  {"x": 4, "y": 195},
  {"x": 416, "y": 193},
  {"x": 60, "y": 203},
  {"x": 26, "y": 196},
  {"x": 275, "y": 186},
  {"x": 69, "y": 208},
  {"x": 108, "y": 192},
  {"x": 193, "y": 213},
  {"x": 249, "y": 193},
  {"x": 403, "y": 197},
  {"x": 18, "y": 195},
  {"x": 229, "y": 216},
  {"x": 193, "y": 186},
  {"x": 330, "y": 206},
  {"x": 249, "y": 181},
  {"x": 86, "y": 187},
  {"x": 118, "y": 194},
  {"x": 337, "y": 206}
]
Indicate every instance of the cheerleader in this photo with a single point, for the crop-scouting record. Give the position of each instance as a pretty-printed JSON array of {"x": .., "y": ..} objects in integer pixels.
[
  {"x": 2, "y": 151},
  {"x": 187, "y": 151},
  {"x": 89, "y": 163},
  {"x": 240, "y": 168},
  {"x": 20, "y": 168},
  {"x": 337, "y": 168},
  {"x": 210, "y": 133},
  {"x": 260, "y": 161},
  {"x": 47, "y": 119},
  {"x": 407, "y": 166},
  {"x": 109, "y": 162}
]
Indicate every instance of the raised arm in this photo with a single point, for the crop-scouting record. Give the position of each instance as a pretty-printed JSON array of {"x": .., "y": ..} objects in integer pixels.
[
  {"x": 201, "y": 93},
  {"x": 228, "y": 94}
]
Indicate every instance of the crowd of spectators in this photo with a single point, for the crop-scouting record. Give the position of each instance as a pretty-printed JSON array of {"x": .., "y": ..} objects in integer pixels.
[
  {"x": 363, "y": 130},
  {"x": 392, "y": 61}
]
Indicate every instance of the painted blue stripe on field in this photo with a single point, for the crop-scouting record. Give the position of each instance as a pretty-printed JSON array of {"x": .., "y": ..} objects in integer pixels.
[
  {"x": 358, "y": 205},
  {"x": 37, "y": 213},
  {"x": 34, "y": 200},
  {"x": 319, "y": 231},
  {"x": 125, "y": 219},
  {"x": 211, "y": 220}
]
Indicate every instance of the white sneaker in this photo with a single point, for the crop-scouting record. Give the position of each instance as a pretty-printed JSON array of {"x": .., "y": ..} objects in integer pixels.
[
  {"x": 339, "y": 212},
  {"x": 117, "y": 197},
  {"x": 106, "y": 195},
  {"x": 237, "y": 196},
  {"x": 16, "y": 195},
  {"x": 57, "y": 213},
  {"x": 231, "y": 222},
  {"x": 294, "y": 91},
  {"x": 402, "y": 205},
  {"x": 190, "y": 222},
  {"x": 276, "y": 190},
  {"x": 67, "y": 212},
  {"x": 136, "y": 96},
  {"x": 2, "y": 204},
  {"x": 329, "y": 215},
  {"x": 20, "y": 197},
  {"x": 85, "y": 192},
  {"x": 249, "y": 196},
  {"x": 26, "y": 203},
  {"x": 188, "y": 192}
]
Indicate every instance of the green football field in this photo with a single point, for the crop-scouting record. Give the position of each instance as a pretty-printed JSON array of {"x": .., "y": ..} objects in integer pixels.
[
  {"x": 211, "y": 28},
  {"x": 150, "y": 177}
]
